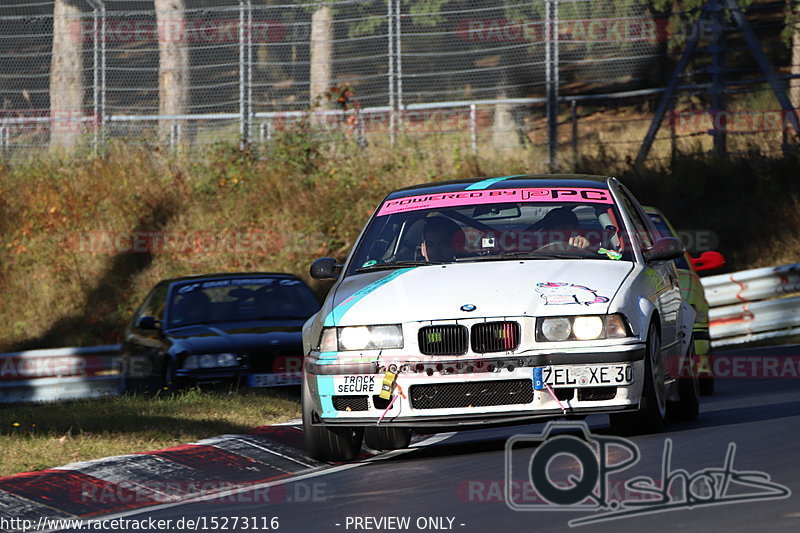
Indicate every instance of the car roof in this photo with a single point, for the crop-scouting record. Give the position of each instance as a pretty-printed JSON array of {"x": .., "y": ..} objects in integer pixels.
[
  {"x": 228, "y": 275},
  {"x": 505, "y": 182}
]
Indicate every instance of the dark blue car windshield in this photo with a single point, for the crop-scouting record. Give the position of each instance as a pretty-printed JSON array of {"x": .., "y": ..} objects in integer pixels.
[{"x": 239, "y": 299}]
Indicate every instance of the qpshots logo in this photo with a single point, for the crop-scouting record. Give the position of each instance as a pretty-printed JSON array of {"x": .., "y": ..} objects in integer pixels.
[{"x": 570, "y": 469}]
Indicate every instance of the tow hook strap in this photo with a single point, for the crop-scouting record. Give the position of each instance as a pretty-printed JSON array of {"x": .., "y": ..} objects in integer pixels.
[{"x": 553, "y": 394}]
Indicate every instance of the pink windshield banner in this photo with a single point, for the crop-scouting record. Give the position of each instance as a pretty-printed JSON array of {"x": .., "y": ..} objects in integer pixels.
[{"x": 495, "y": 196}]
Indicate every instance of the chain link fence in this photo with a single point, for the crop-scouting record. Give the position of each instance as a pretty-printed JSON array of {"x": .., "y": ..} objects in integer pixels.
[{"x": 491, "y": 71}]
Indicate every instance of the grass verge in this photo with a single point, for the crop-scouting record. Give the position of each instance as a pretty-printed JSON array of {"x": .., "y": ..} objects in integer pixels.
[{"x": 35, "y": 437}]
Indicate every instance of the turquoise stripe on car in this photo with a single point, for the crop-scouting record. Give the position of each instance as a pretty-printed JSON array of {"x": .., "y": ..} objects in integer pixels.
[
  {"x": 325, "y": 390},
  {"x": 483, "y": 184},
  {"x": 335, "y": 316}
]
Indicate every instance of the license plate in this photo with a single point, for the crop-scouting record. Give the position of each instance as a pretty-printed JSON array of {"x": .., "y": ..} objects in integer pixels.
[
  {"x": 273, "y": 380},
  {"x": 358, "y": 384},
  {"x": 587, "y": 376}
]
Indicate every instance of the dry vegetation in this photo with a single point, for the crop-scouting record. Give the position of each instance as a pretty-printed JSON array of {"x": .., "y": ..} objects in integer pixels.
[{"x": 67, "y": 280}]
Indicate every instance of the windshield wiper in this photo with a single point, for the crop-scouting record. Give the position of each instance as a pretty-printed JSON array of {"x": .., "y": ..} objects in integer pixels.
[{"x": 392, "y": 265}]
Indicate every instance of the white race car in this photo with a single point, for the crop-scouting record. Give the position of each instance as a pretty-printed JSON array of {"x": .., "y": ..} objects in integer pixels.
[{"x": 497, "y": 301}]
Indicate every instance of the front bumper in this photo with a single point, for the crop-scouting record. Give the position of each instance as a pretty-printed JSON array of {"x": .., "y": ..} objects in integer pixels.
[{"x": 453, "y": 392}]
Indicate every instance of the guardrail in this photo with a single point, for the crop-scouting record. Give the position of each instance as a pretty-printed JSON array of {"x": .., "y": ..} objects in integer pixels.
[
  {"x": 59, "y": 374},
  {"x": 753, "y": 305}
]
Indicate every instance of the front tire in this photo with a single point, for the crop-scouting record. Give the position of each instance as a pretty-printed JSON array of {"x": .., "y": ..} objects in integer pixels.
[
  {"x": 653, "y": 404},
  {"x": 387, "y": 438},
  {"x": 332, "y": 444}
]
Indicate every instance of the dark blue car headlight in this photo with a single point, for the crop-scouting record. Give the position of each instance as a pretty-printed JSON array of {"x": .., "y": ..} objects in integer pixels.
[{"x": 218, "y": 360}]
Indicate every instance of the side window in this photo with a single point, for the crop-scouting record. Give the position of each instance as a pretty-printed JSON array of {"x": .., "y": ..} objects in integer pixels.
[
  {"x": 154, "y": 304},
  {"x": 640, "y": 227}
]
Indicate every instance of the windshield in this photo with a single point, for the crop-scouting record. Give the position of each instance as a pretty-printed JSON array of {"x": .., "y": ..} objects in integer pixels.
[
  {"x": 485, "y": 226},
  {"x": 240, "y": 299}
]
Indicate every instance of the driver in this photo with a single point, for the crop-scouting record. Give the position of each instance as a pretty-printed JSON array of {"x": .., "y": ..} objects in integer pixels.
[
  {"x": 442, "y": 240},
  {"x": 560, "y": 222}
]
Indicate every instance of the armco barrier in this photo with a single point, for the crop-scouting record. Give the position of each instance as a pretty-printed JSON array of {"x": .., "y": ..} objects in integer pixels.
[
  {"x": 753, "y": 304},
  {"x": 59, "y": 374}
]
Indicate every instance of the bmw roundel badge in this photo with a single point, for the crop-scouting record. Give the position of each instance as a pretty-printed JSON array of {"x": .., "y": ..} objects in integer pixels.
[{"x": 468, "y": 308}]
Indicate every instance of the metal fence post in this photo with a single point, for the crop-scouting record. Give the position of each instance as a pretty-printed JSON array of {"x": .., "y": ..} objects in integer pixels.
[
  {"x": 573, "y": 111},
  {"x": 244, "y": 111},
  {"x": 473, "y": 128},
  {"x": 392, "y": 102},
  {"x": 98, "y": 71},
  {"x": 717, "y": 68},
  {"x": 399, "y": 60},
  {"x": 551, "y": 60},
  {"x": 96, "y": 76}
]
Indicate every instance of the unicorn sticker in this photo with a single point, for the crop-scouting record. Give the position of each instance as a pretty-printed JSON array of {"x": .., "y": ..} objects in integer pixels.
[{"x": 559, "y": 293}]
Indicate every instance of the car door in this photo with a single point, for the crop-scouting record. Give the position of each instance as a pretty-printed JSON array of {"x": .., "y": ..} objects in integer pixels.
[
  {"x": 662, "y": 275},
  {"x": 144, "y": 347}
]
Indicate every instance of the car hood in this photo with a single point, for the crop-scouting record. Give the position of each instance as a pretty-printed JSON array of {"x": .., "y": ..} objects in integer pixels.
[
  {"x": 235, "y": 337},
  {"x": 494, "y": 288}
]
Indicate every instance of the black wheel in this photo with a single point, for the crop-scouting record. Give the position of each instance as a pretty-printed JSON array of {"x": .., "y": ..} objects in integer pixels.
[
  {"x": 688, "y": 405},
  {"x": 653, "y": 404},
  {"x": 169, "y": 382},
  {"x": 325, "y": 443},
  {"x": 387, "y": 438},
  {"x": 706, "y": 380},
  {"x": 706, "y": 386}
]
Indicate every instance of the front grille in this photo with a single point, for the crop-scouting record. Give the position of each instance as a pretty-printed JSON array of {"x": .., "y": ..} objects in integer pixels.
[
  {"x": 471, "y": 394},
  {"x": 350, "y": 403},
  {"x": 495, "y": 337},
  {"x": 443, "y": 340},
  {"x": 596, "y": 394}
]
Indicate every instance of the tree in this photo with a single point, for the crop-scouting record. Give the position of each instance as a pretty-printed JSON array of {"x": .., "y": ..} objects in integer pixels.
[
  {"x": 173, "y": 66},
  {"x": 66, "y": 75},
  {"x": 321, "y": 52}
]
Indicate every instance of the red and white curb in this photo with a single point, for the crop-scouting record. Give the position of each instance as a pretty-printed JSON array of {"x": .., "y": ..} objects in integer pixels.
[
  {"x": 215, "y": 468},
  {"x": 128, "y": 482}
]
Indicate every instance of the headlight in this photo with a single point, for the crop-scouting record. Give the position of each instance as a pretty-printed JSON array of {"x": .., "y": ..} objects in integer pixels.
[
  {"x": 556, "y": 329},
  {"x": 586, "y": 328},
  {"x": 361, "y": 338},
  {"x": 227, "y": 359},
  {"x": 581, "y": 328}
]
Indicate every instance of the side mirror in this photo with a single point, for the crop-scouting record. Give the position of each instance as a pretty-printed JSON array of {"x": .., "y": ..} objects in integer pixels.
[
  {"x": 149, "y": 322},
  {"x": 325, "y": 268},
  {"x": 707, "y": 261},
  {"x": 665, "y": 249}
]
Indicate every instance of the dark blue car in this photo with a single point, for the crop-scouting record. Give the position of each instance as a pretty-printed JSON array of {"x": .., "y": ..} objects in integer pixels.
[{"x": 218, "y": 328}]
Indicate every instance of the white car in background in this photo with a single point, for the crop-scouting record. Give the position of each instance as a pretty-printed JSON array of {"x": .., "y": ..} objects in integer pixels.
[{"x": 497, "y": 301}]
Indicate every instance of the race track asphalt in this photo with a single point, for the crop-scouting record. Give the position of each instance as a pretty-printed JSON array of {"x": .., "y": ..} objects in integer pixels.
[{"x": 740, "y": 460}]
